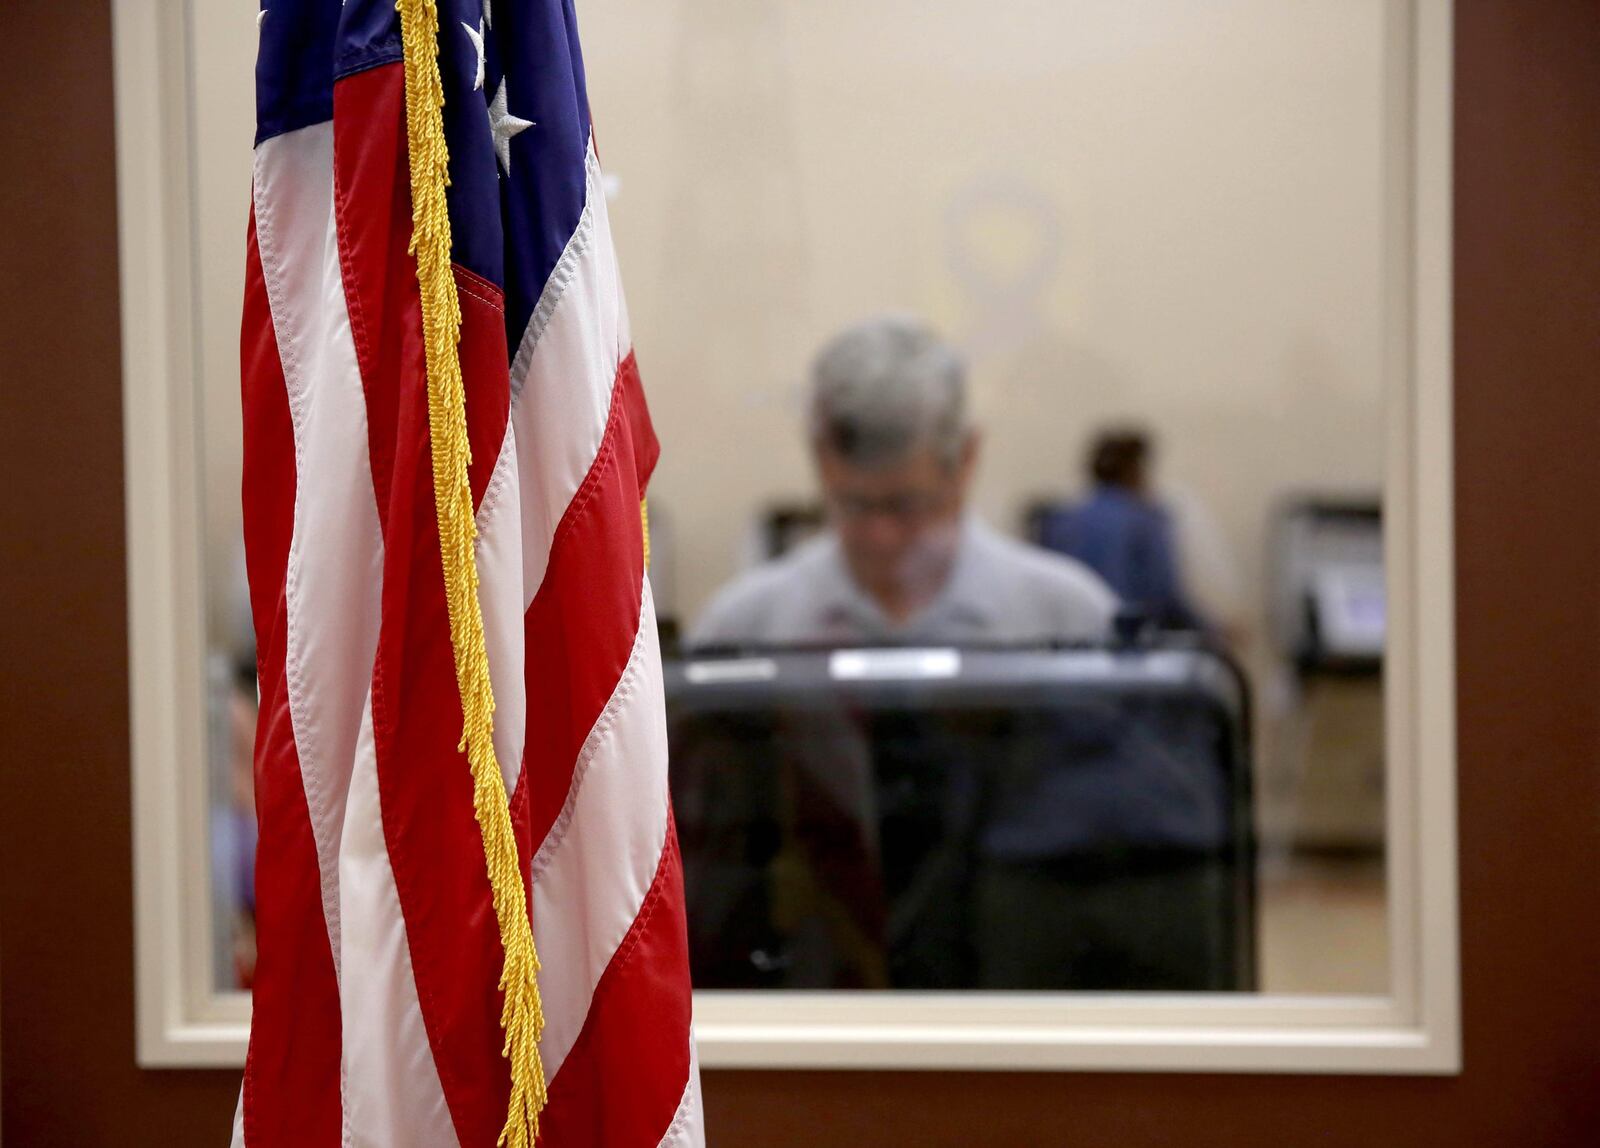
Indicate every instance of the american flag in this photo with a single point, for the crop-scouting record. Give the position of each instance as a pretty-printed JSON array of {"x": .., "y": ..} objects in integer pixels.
[{"x": 377, "y": 1011}]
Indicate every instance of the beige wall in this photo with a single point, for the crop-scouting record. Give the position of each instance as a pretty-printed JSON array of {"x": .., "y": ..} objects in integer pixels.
[
  {"x": 1188, "y": 194},
  {"x": 1166, "y": 209}
]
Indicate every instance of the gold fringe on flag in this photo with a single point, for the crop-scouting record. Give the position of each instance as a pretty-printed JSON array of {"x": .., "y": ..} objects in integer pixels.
[
  {"x": 644, "y": 525},
  {"x": 522, "y": 1018}
]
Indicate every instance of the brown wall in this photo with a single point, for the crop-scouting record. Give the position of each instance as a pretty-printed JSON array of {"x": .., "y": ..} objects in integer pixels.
[
  {"x": 66, "y": 915},
  {"x": 1528, "y": 530}
]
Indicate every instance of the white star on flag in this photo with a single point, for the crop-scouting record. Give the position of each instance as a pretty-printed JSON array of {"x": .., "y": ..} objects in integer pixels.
[
  {"x": 503, "y": 125},
  {"x": 477, "y": 43}
]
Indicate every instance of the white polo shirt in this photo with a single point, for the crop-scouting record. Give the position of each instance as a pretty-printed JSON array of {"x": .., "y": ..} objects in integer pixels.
[{"x": 999, "y": 591}]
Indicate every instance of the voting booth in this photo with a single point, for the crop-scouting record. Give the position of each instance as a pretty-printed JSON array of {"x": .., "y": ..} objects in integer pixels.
[{"x": 976, "y": 818}]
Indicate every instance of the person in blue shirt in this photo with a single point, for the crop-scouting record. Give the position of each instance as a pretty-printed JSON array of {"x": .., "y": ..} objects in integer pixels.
[{"x": 1123, "y": 534}]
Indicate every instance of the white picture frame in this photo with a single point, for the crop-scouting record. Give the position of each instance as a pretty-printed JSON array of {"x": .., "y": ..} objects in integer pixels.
[{"x": 1413, "y": 1029}]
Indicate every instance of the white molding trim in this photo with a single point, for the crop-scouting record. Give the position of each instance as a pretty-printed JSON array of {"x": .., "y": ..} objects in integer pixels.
[
  {"x": 1414, "y": 1030},
  {"x": 165, "y": 629}
]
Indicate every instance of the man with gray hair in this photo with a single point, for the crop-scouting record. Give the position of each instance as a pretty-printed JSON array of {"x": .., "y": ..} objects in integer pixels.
[{"x": 902, "y": 560}]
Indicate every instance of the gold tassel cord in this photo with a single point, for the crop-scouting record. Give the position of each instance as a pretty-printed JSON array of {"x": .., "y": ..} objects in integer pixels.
[{"x": 522, "y": 1017}]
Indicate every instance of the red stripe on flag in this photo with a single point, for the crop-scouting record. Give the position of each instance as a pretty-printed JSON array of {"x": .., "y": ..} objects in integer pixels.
[
  {"x": 487, "y": 372},
  {"x": 622, "y": 1081},
  {"x": 646, "y": 447},
  {"x": 268, "y": 484},
  {"x": 372, "y": 206},
  {"x": 580, "y": 629},
  {"x": 424, "y": 782},
  {"x": 291, "y": 1081}
]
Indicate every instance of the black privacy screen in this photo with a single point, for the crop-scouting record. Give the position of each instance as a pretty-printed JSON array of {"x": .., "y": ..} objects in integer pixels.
[{"x": 1023, "y": 820}]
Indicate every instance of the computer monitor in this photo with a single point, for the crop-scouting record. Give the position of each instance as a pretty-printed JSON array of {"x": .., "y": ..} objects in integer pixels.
[{"x": 965, "y": 819}]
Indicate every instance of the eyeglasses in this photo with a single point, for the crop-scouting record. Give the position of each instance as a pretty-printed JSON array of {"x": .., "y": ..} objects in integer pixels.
[{"x": 909, "y": 506}]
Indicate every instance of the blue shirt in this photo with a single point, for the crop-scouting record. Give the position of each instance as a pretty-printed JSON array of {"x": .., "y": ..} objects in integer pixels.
[{"x": 1128, "y": 541}]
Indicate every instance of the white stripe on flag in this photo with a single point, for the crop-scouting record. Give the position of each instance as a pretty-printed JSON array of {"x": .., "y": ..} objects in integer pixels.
[
  {"x": 499, "y": 552},
  {"x": 333, "y": 582},
  {"x": 561, "y": 382},
  {"x": 688, "y": 1127},
  {"x": 392, "y": 1093},
  {"x": 592, "y": 873}
]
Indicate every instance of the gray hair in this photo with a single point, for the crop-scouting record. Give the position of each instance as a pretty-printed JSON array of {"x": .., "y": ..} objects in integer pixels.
[{"x": 884, "y": 388}]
